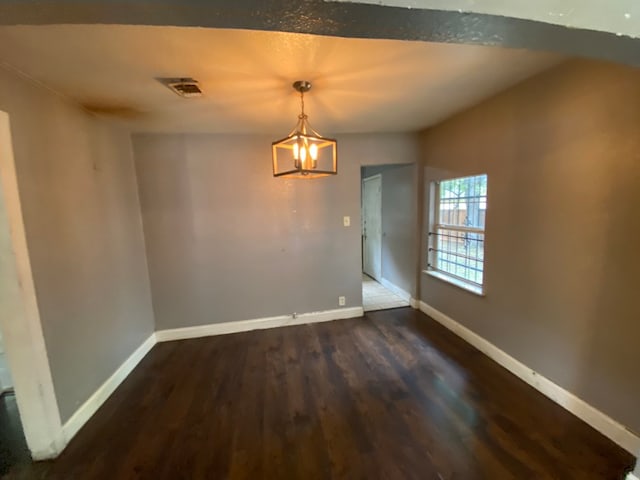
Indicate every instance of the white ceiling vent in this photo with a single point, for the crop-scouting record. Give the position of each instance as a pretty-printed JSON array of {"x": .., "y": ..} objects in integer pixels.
[{"x": 185, "y": 87}]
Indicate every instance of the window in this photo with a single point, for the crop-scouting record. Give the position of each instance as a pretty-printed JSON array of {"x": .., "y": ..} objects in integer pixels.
[{"x": 456, "y": 236}]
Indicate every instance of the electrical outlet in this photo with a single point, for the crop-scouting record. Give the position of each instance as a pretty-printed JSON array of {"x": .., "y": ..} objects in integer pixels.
[
  {"x": 347, "y": 221},
  {"x": 342, "y": 301}
]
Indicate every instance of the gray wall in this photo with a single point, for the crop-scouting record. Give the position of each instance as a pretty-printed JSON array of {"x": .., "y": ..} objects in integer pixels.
[
  {"x": 226, "y": 241},
  {"x": 399, "y": 226},
  {"x": 84, "y": 234},
  {"x": 562, "y": 154}
]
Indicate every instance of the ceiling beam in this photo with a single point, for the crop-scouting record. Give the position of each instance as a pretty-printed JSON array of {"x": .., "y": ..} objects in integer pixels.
[
  {"x": 621, "y": 17},
  {"x": 359, "y": 20}
]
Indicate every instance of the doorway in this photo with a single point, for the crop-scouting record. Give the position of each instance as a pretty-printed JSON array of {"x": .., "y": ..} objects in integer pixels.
[
  {"x": 372, "y": 226},
  {"x": 13, "y": 445},
  {"x": 29, "y": 412},
  {"x": 376, "y": 294}
]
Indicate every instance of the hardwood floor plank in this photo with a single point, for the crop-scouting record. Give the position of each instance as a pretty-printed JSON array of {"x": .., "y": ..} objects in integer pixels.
[
  {"x": 391, "y": 395},
  {"x": 13, "y": 446}
]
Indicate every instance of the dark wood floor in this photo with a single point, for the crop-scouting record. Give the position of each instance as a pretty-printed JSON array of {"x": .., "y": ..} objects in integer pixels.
[
  {"x": 392, "y": 395},
  {"x": 13, "y": 446}
]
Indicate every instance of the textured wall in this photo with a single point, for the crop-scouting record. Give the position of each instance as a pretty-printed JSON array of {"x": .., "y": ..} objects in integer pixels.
[
  {"x": 226, "y": 241},
  {"x": 84, "y": 233},
  {"x": 562, "y": 154}
]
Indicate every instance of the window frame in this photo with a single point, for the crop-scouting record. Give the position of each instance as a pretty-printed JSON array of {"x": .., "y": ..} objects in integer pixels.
[{"x": 434, "y": 225}]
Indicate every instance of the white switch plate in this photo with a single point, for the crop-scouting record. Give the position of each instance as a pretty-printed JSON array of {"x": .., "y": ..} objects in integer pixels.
[
  {"x": 342, "y": 301},
  {"x": 347, "y": 221}
]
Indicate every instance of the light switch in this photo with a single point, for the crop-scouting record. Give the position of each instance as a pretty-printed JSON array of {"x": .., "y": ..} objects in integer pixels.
[{"x": 347, "y": 221}]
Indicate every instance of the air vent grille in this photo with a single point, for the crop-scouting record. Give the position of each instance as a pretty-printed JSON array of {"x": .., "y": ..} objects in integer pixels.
[{"x": 185, "y": 87}]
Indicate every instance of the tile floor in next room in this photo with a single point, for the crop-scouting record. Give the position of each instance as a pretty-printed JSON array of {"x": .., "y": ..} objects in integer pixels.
[{"x": 377, "y": 297}]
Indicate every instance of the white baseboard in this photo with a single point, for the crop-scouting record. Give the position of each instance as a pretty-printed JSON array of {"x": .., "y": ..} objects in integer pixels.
[
  {"x": 406, "y": 296},
  {"x": 631, "y": 476},
  {"x": 581, "y": 409},
  {"x": 257, "y": 324},
  {"x": 6, "y": 390},
  {"x": 88, "y": 408}
]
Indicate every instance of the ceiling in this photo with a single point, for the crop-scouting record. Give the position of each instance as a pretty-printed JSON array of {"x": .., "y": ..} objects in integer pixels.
[{"x": 359, "y": 85}]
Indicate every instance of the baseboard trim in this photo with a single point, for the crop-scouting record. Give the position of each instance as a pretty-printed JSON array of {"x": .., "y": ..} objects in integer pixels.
[
  {"x": 257, "y": 324},
  {"x": 7, "y": 391},
  {"x": 610, "y": 428},
  {"x": 406, "y": 296},
  {"x": 89, "y": 407},
  {"x": 631, "y": 476},
  {"x": 95, "y": 401}
]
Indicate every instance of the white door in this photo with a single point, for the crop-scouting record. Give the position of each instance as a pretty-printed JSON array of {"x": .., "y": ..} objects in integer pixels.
[{"x": 372, "y": 226}]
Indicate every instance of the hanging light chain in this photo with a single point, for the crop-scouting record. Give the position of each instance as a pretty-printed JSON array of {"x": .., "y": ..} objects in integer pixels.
[{"x": 302, "y": 114}]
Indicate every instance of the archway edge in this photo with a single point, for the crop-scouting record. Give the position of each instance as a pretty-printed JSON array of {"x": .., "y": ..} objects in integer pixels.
[{"x": 341, "y": 19}]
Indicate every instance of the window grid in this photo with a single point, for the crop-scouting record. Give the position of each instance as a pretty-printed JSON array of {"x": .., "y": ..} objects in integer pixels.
[{"x": 456, "y": 242}]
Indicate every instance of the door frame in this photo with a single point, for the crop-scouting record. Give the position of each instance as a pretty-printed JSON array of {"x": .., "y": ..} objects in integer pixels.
[
  {"x": 20, "y": 320},
  {"x": 377, "y": 176}
]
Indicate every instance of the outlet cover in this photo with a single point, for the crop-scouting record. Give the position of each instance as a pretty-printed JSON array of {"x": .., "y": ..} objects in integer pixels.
[{"x": 342, "y": 301}]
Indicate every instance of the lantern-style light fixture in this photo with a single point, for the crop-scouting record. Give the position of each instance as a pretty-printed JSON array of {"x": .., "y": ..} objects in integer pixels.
[{"x": 304, "y": 153}]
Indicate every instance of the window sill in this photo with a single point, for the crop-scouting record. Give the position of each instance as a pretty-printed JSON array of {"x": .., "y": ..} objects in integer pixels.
[{"x": 476, "y": 290}]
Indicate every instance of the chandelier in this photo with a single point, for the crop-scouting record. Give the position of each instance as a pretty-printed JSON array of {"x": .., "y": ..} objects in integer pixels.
[{"x": 304, "y": 153}]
